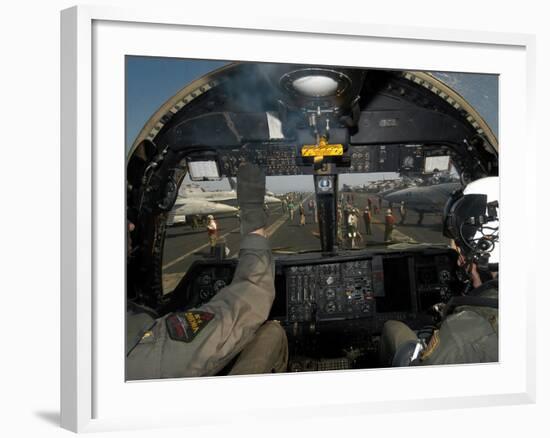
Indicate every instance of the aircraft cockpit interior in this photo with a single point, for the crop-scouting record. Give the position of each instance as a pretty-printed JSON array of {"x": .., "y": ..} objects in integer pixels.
[{"x": 334, "y": 142}]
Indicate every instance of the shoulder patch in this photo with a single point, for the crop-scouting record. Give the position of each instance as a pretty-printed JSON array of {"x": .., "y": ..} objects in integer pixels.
[
  {"x": 432, "y": 346},
  {"x": 185, "y": 326}
]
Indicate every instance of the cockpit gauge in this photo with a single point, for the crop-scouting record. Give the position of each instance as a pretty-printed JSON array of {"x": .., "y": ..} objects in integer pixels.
[
  {"x": 330, "y": 307},
  {"x": 218, "y": 285},
  {"x": 408, "y": 162},
  {"x": 205, "y": 280},
  {"x": 204, "y": 293},
  {"x": 444, "y": 276},
  {"x": 324, "y": 184}
]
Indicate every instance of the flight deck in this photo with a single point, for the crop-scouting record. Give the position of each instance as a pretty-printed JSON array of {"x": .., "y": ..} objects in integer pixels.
[{"x": 184, "y": 244}]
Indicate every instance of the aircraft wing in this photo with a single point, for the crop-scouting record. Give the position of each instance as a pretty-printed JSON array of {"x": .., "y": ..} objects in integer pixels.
[
  {"x": 423, "y": 199},
  {"x": 190, "y": 206}
]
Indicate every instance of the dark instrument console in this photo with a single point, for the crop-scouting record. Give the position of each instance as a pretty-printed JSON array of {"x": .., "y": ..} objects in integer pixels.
[
  {"x": 333, "y": 308},
  {"x": 328, "y": 292},
  {"x": 368, "y": 291},
  {"x": 364, "y": 291},
  {"x": 285, "y": 159}
]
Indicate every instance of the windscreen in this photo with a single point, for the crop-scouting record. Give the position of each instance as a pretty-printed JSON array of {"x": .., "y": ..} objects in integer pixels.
[{"x": 375, "y": 210}]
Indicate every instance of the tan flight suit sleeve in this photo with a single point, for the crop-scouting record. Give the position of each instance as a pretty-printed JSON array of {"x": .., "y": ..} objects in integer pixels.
[{"x": 238, "y": 311}]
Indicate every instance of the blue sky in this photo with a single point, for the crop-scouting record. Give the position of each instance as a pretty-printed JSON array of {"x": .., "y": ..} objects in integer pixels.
[{"x": 152, "y": 81}]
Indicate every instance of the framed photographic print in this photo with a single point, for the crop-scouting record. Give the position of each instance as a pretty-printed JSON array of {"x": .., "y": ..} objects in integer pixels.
[{"x": 320, "y": 228}]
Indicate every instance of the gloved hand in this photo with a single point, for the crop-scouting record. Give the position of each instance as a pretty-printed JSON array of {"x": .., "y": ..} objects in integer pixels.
[{"x": 250, "y": 196}]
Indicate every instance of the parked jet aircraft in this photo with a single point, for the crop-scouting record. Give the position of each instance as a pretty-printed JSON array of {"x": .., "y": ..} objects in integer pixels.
[
  {"x": 192, "y": 191},
  {"x": 423, "y": 199},
  {"x": 197, "y": 207},
  {"x": 194, "y": 200}
]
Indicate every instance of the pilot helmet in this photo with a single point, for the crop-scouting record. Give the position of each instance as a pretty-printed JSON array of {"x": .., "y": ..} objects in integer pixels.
[
  {"x": 471, "y": 219},
  {"x": 388, "y": 212},
  {"x": 210, "y": 217}
]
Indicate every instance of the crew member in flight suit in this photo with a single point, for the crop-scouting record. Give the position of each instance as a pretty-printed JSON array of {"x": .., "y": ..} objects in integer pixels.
[
  {"x": 468, "y": 332},
  {"x": 367, "y": 217},
  {"x": 284, "y": 205},
  {"x": 389, "y": 225},
  {"x": 204, "y": 340},
  {"x": 353, "y": 228},
  {"x": 212, "y": 231}
]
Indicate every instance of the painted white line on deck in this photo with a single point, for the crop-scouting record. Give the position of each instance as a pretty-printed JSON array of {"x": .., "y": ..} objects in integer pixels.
[
  {"x": 184, "y": 256},
  {"x": 277, "y": 224},
  {"x": 270, "y": 231}
]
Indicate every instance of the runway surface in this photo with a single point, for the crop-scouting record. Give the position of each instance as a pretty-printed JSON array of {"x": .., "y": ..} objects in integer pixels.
[{"x": 184, "y": 245}]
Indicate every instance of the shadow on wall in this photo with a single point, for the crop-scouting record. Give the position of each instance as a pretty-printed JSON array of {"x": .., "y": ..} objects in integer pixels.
[{"x": 51, "y": 417}]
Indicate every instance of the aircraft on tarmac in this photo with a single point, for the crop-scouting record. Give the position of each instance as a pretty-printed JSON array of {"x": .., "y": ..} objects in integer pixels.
[
  {"x": 185, "y": 208},
  {"x": 423, "y": 199},
  {"x": 193, "y": 191},
  {"x": 194, "y": 200}
]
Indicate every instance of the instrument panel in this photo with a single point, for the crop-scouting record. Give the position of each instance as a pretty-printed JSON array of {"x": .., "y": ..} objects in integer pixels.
[
  {"x": 285, "y": 159},
  {"x": 206, "y": 281},
  {"x": 370, "y": 289},
  {"x": 328, "y": 292}
]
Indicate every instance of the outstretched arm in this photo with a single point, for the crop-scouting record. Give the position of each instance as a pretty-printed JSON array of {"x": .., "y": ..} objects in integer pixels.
[{"x": 238, "y": 309}]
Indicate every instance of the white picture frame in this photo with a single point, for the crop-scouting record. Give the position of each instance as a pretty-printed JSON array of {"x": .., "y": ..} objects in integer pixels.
[{"x": 94, "y": 41}]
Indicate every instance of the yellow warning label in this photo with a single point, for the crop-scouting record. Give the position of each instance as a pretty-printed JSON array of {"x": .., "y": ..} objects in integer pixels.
[{"x": 323, "y": 149}]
